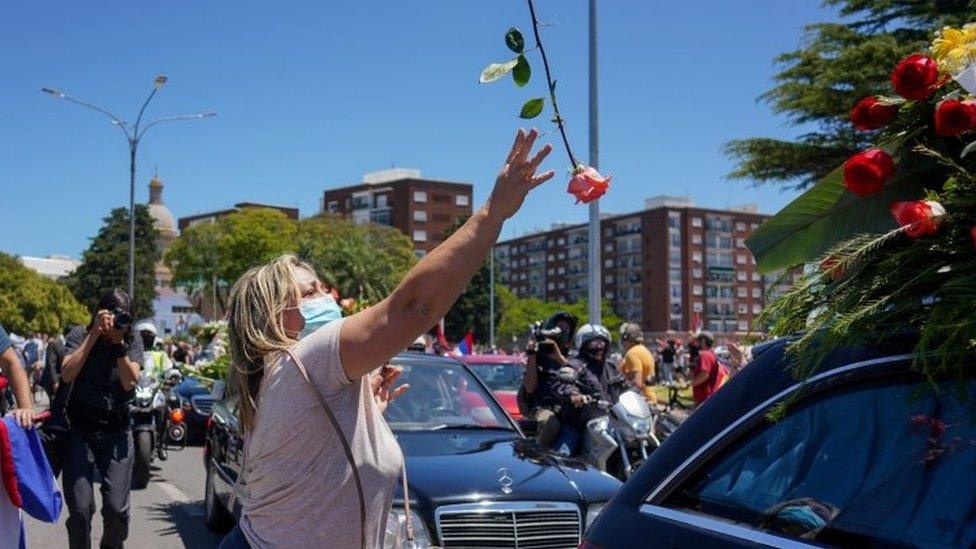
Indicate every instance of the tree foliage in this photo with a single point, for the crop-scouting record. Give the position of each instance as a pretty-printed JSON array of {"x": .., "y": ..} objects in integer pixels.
[
  {"x": 30, "y": 302},
  {"x": 105, "y": 264},
  {"x": 220, "y": 252},
  {"x": 471, "y": 310},
  {"x": 518, "y": 313},
  {"x": 364, "y": 262},
  {"x": 818, "y": 84}
]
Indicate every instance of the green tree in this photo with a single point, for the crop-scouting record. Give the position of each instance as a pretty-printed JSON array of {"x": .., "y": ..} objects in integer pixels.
[
  {"x": 30, "y": 302},
  {"x": 364, "y": 262},
  {"x": 105, "y": 264},
  {"x": 220, "y": 252},
  {"x": 519, "y": 313},
  {"x": 838, "y": 64},
  {"x": 471, "y": 310}
]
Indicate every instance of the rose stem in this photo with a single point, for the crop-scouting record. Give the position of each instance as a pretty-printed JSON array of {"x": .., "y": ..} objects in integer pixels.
[{"x": 552, "y": 93}]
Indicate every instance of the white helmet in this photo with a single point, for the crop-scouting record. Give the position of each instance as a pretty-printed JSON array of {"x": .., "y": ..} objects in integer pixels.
[
  {"x": 144, "y": 326},
  {"x": 589, "y": 332}
]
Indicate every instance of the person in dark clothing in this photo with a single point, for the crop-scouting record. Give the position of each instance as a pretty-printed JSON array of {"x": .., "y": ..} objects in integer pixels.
[
  {"x": 54, "y": 356},
  {"x": 595, "y": 378},
  {"x": 102, "y": 365},
  {"x": 535, "y": 397}
]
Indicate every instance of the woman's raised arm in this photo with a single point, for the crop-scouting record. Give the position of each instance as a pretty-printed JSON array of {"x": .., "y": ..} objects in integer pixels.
[{"x": 424, "y": 296}]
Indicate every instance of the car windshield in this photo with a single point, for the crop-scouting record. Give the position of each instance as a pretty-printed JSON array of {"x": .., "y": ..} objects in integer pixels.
[
  {"x": 499, "y": 377},
  {"x": 442, "y": 396}
]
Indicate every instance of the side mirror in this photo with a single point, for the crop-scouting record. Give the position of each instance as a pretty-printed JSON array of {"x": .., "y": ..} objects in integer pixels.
[{"x": 218, "y": 390}]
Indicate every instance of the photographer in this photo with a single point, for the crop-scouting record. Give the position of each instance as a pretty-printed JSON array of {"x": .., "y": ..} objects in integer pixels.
[
  {"x": 547, "y": 350},
  {"x": 102, "y": 364}
]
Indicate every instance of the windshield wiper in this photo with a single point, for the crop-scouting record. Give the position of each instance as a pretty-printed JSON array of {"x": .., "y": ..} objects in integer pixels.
[{"x": 471, "y": 427}]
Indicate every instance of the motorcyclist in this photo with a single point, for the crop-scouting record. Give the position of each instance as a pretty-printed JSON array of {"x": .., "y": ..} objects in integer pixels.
[
  {"x": 544, "y": 358},
  {"x": 154, "y": 361},
  {"x": 595, "y": 378}
]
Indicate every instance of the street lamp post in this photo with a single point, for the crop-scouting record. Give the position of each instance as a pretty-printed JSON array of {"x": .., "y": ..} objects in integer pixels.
[
  {"x": 133, "y": 135},
  {"x": 595, "y": 290}
]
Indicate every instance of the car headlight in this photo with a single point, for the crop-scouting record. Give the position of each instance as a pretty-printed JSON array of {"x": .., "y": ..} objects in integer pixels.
[
  {"x": 592, "y": 512},
  {"x": 396, "y": 531}
]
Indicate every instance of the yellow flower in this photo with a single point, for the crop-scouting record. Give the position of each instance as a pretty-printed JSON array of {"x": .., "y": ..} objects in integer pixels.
[{"x": 955, "y": 49}]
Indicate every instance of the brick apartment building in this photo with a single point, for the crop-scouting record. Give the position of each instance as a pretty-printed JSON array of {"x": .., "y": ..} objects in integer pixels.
[
  {"x": 210, "y": 217},
  {"x": 666, "y": 267},
  {"x": 420, "y": 208}
]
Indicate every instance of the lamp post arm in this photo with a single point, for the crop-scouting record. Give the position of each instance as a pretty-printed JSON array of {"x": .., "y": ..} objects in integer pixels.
[
  {"x": 142, "y": 110},
  {"x": 172, "y": 119},
  {"x": 116, "y": 121}
]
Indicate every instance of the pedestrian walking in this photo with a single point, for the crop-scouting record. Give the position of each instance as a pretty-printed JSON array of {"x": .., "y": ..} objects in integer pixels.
[{"x": 102, "y": 366}]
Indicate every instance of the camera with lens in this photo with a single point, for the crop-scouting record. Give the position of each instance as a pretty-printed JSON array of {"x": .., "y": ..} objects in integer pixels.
[
  {"x": 550, "y": 333},
  {"x": 122, "y": 319}
]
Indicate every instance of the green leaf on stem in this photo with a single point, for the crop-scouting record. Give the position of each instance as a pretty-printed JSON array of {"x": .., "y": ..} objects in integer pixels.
[
  {"x": 532, "y": 108},
  {"x": 497, "y": 70},
  {"x": 514, "y": 40},
  {"x": 522, "y": 71}
]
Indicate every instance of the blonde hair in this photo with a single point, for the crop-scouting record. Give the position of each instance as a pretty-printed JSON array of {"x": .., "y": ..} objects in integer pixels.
[{"x": 255, "y": 329}]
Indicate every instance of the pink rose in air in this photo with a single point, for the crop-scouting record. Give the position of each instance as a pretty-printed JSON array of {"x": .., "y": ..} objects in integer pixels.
[{"x": 588, "y": 185}]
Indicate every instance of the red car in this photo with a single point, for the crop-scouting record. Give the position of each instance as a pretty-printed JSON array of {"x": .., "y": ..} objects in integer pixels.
[{"x": 503, "y": 375}]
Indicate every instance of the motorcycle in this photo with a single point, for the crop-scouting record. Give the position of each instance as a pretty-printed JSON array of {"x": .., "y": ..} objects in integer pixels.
[
  {"x": 621, "y": 439},
  {"x": 157, "y": 423}
]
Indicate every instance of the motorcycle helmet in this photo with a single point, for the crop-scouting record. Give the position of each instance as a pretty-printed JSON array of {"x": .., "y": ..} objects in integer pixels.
[
  {"x": 589, "y": 332},
  {"x": 147, "y": 331}
]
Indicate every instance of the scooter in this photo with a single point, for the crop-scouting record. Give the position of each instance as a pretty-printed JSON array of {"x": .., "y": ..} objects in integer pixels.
[{"x": 619, "y": 441}]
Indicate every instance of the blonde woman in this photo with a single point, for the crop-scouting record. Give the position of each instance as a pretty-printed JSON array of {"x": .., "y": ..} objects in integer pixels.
[{"x": 309, "y": 405}]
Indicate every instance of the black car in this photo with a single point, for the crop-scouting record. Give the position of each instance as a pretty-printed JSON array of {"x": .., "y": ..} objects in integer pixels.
[
  {"x": 475, "y": 480},
  {"x": 864, "y": 453},
  {"x": 197, "y": 403}
]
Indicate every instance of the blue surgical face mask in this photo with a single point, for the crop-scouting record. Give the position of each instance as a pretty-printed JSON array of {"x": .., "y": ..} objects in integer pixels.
[{"x": 318, "y": 311}]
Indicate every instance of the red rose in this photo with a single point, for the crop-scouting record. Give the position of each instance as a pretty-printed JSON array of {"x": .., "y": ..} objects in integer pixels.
[
  {"x": 916, "y": 77},
  {"x": 866, "y": 171},
  {"x": 588, "y": 185},
  {"x": 953, "y": 117},
  {"x": 920, "y": 218},
  {"x": 870, "y": 114}
]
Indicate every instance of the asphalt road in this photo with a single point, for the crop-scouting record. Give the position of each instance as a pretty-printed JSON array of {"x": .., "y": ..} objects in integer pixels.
[{"x": 167, "y": 513}]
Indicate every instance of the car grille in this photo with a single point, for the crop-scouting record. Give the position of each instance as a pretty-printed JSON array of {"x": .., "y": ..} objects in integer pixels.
[
  {"x": 202, "y": 404},
  {"x": 516, "y": 525}
]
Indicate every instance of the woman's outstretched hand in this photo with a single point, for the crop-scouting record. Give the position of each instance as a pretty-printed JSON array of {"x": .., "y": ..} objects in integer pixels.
[
  {"x": 517, "y": 177},
  {"x": 382, "y": 385}
]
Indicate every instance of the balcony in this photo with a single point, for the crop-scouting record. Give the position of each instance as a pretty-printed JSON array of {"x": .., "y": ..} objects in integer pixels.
[{"x": 381, "y": 216}]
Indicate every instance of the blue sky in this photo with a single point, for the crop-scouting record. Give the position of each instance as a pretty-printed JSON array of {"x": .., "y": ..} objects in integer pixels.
[{"x": 314, "y": 94}]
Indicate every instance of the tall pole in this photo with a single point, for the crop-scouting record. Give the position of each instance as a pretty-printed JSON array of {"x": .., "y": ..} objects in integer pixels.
[
  {"x": 133, "y": 145},
  {"x": 595, "y": 290},
  {"x": 491, "y": 299}
]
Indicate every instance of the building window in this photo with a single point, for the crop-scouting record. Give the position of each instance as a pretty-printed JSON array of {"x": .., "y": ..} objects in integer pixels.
[
  {"x": 380, "y": 200},
  {"x": 743, "y": 325},
  {"x": 333, "y": 206},
  {"x": 696, "y": 257},
  {"x": 608, "y": 247},
  {"x": 740, "y": 226},
  {"x": 697, "y": 307},
  {"x": 755, "y": 276},
  {"x": 696, "y": 238},
  {"x": 696, "y": 273},
  {"x": 741, "y": 276},
  {"x": 420, "y": 236},
  {"x": 562, "y": 256},
  {"x": 419, "y": 216},
  {"x": 756, "y": 309},
  {"x": 420, "y": 253},
  {"x": 608, "y": 263},
  {"x": 743, "y": 309},
  {"x": 742, "y": 292},
  {"x": 696, "y": 289},
  {"x": 562, "y": 270},
  {"x": 419, "y": 196},
  {"x": 551, "y": 257},
  {"x": 696, "y": 222},
  {"x": 740, "y": 259},
  {"x": 740, "y": 242},
  {"x": 756, "y": 293},
  {"x": 461, "y": 200},
  {"x": 754, "y": 226},
  {"x": 562, "y": 241}
]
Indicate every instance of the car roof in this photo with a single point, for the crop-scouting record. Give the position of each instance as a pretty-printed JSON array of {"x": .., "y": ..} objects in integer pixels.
[
  {"x": 764, "y": 378},
  {"x": 415, "y": 357},
  {"x": 492, "y": 359}
]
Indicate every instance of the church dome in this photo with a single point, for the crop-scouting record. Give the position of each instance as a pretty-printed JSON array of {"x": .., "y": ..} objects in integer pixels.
[{"x": 163, "y": 218}]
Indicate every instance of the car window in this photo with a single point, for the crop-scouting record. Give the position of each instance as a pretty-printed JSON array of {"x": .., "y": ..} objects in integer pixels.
[
  {"x": 442, "y": 396},
  {"x": 890, "y": 461},
  {"x": 499, "y": 377}
]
